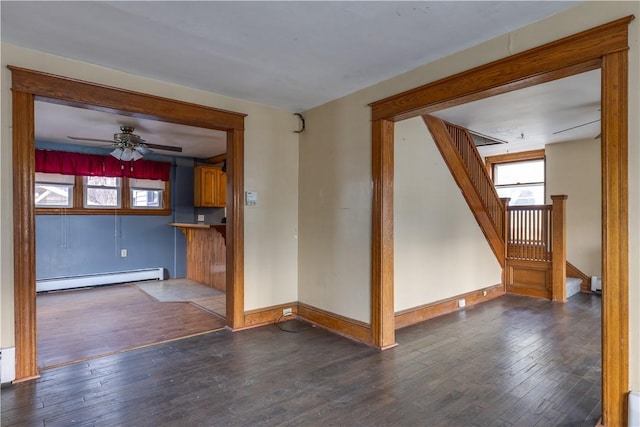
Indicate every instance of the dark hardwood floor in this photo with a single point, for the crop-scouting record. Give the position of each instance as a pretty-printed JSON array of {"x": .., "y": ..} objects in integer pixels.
[{"x": 513, "y": 361}]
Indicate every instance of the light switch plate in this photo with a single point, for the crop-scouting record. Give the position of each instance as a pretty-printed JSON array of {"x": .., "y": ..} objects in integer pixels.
[{"x": 251, "y": 198}]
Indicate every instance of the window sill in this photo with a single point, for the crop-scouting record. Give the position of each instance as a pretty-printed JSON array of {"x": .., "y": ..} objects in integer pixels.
[{"x": 105, "y": 211}]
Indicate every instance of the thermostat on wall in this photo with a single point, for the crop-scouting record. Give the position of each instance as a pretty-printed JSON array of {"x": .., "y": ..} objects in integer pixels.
[{"x": 250, "y": 198}]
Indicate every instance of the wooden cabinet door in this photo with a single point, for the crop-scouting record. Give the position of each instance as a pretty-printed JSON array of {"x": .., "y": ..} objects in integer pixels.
[
  {"x": 221, "y": 190},
  {"x": 209, "y": 187}
]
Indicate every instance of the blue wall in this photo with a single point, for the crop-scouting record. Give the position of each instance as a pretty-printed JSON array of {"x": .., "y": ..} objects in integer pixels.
[{"x": 71, "y": 245}]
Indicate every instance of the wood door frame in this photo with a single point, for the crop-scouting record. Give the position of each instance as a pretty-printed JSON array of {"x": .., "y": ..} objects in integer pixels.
[
  {"x": 29, "y": 86},
  {"x": 604, "y": 47}
]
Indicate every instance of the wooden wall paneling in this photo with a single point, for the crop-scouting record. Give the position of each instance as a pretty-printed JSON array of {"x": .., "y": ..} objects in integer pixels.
[
  {"x": 382, "y": 312},
  {"x": 24, "y": 247},
  {"x": 615, "y": 235},
  {"x": 29, "y": 85},
  {"x": 530, "y": 278},
  {"x": 605, "y": 46},
  {"x": 206, "y": 257},
  {"x": 235, "y": 228}
]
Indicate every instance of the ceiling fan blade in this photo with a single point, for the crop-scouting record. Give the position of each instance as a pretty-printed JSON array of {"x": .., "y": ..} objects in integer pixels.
[
  {"x": 143, "y": 149},
  {"x": 75, "y": 138},
  {"x": 164, "y": 147},
  {"x": 135, "y": 139}
]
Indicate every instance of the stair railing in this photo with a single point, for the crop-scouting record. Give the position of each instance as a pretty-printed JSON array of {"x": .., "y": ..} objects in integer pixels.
[{"x": 478, "y": 175}]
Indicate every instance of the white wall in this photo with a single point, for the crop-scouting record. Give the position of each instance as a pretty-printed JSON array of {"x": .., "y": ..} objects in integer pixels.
[
  {"x": 335, "y": 169},
  {"x": 439, "y": 249},
  {"x": 271, "y": 169},
  {"x": 573, "y": 168}
]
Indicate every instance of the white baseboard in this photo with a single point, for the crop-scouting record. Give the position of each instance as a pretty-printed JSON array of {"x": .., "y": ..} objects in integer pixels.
[
  {"x": 634, "y": 409},
  {"x": 58, "y": 283},
  {"x": 8, "y": 362}
]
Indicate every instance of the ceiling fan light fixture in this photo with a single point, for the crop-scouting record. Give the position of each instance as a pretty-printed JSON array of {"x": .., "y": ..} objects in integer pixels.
[
  {"x": 136, "y": 155},
  {"x": 127, "y": 154},
  {"x": 117, "y": 153}
]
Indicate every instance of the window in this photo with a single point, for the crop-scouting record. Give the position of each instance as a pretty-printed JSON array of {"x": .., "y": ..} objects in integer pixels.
[
  {"x": 55, "y": 194},
  {"x": 102, "y": 192},
  {"x": 146, "y": 193},
  {"x": 85, "y": 184},
  {"x": 54, "y": 190},
  {"x": 519, "y": 176}
]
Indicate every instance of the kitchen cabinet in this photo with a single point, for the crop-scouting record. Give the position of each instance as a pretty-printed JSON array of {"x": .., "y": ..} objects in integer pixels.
[{"x": 210, "y": 187}]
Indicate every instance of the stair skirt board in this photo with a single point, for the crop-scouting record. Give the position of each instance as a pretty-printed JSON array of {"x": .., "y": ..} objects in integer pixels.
[
  {"x": 71, "y": 282},
  {"x": 573, "y": 286}
]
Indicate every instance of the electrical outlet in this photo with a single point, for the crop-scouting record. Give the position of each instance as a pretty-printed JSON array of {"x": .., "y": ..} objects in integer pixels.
[
  {"x": 200, "y": 218},
  {"x": 123, "y": 253},
  {"x": 287, "y": 311},
  {"x": 462, "y": 302}
]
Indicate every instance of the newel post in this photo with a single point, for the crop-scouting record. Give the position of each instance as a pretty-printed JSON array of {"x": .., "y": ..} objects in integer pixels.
[
  {"x": 559, "y": 249},
  {"x": 506, "y": 230}
]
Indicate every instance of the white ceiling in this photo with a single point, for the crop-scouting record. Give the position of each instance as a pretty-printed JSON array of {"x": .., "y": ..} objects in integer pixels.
[
  {"x": 292, "y": 54},
  {"x": 527, "y": 119},
  {"x": 55, "y": 122}
]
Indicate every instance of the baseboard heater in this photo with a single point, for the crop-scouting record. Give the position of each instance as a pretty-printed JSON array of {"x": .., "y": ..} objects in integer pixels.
[{"x": 59, "y": 283}]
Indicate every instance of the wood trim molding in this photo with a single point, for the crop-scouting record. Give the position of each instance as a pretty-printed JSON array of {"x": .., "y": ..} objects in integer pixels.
[
  {"x": 78, "y": 93},
  {"x": 580, "y": 51},
  {"x": 216, "y": 159},
  {"x": 606, "y": 47},
  {"x": 489, "y": 161},
  {"x": 27, "y": 86},
  {"x": 24, "y": 247},
  {"x": 615, "y": 236},
  {"x": 382, "y": 317},
  {"x": 235, "y": 229},
  {"x": 268, "y": 315},
  {"x": 424, "y": 312},
  {"x": 341, "y": 325}
]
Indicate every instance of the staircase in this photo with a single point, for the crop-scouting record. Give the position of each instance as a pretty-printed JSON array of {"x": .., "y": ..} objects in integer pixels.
[
  {"x": 529, "y": 242},
  {"x": 466, "y": 166}
]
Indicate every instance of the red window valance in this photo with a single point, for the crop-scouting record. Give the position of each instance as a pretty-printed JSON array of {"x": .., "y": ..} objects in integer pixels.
[{"x": 81, "y": 164}]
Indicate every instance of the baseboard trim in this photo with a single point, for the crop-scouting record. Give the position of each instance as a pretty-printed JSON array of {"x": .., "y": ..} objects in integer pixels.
[
  {"x": 424, "y": 312},
  {"x": 341, "y": 325},
  {"x": 267, "y": 315}
]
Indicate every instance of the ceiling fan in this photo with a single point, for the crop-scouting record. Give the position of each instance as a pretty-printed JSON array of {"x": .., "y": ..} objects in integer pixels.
[{"x": 129, "y": 146}]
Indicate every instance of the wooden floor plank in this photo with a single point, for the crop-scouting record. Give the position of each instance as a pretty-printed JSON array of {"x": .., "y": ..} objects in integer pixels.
[
  {"x": 513, "y": 361},
  {"x": 86, "y": 323}
]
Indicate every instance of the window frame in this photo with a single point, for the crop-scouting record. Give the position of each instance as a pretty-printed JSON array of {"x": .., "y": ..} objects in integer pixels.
[
  {"x": 125, "y": 208},
  {"x": 524, "y": 156},
  {"x": 69, "y": 185}
]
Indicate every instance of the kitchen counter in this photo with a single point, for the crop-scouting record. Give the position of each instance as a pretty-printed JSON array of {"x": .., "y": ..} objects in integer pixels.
[
  {"x": 206, "y": 253},
  {"x": 184, "y": 226}
]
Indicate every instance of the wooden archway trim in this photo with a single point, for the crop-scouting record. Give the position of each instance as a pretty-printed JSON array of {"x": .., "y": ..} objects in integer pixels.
[
  {"x": 604, "y": 47},
  {"x": 29, "y": 86}
]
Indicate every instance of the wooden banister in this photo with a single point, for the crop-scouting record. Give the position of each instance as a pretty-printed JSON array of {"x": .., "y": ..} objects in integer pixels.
[
  {"x": 466, "y": 166},
  {"x": 529, "y": 233}
]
